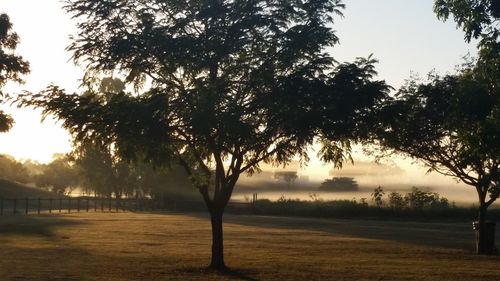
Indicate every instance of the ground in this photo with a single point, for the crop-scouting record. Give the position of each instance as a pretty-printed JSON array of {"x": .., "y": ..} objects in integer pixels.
[{"x": 169, "y": 246}]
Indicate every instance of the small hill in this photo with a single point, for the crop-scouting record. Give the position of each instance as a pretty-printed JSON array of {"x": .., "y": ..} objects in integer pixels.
[{"x": 9, "y": 189}]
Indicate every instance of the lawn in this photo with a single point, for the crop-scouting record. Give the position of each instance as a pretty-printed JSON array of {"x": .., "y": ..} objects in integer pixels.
[{"x": 139, "y": 246}]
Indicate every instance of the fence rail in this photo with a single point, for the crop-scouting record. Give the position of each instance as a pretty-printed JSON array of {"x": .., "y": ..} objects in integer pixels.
[{"x": 29, "y": 206}]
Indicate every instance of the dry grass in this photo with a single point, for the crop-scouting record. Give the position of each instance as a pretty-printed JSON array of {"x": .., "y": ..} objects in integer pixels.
[{"x": 128, "y": 246}]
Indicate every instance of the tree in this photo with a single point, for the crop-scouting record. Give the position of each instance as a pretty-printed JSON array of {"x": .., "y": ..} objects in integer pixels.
[
  {"x": 478, "y": 18},
  {"x": 12, "y": 170},
  {"x": 339, "y": 184},
  {"x": 59, "y": 175},
  {"x": 452, "y": 125},
  {"x": 472, "y": 155},
  {"x": 226, "y": 85},
  {"x": 396, "y": 200},
  {"x": 286, "y": 176},
  {"x": 99, "y": 171},
  {"x": 12, "y": 66},
  {"x": 377, "y": 195}
]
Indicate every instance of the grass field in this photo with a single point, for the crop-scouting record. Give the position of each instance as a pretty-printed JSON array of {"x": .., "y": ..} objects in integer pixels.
[{"x": 133, "y": 246}]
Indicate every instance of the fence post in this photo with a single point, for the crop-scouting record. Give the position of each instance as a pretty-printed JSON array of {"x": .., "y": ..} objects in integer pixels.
[
  {"x": 109, "y": 203},
  {"x": 27, "y": 206},
  {"x": 1, "y": 206},
  {"x": 60, "y": 204},
  {"x": 15, "y": 205},
  {"x": 95, "y": 204},
  {"x": 50, "y": 206},
  {"x": 87, "y": 207},
  {"x": 69, "y": 204},
  {"x": 39, "y": 201},
  {"x": 78, "y": 204},
  {"x": 117, "y": 200}
]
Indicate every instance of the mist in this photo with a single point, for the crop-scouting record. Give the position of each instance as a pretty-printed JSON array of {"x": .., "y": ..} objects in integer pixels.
[{"x": 392, "y": 176}]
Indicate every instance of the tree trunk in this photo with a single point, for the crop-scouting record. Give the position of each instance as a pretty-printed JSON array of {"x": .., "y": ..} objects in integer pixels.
[
  {"x": 217, "y": 262},
  {"x": 484, "y": 234}
]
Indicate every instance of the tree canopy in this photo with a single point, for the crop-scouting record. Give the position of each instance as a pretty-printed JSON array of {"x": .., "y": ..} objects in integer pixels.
[
  {"x": 12, "y": 66},
  {"x": 452, "y": 124},
  {"x": 224, "y": 85},
  {"x": 478, "y": 18}
]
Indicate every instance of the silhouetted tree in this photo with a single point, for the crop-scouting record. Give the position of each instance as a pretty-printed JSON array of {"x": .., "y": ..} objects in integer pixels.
[
  {"x": 396, "y": 200},
  {"x": 12, "y": 170},
  {"x": 286, "y": 176},
  {"x": 339, "y": 184},
  {"x": 377, "y": 195},
  {"x": 478, "y": 18},
  {"x": 227, "y": 85},
  {"x": 12, "y": 66},
  {"x": 60, "y": 175},
  {"x": 98, "y": 170},
  {"x": 452, "y": 125}
]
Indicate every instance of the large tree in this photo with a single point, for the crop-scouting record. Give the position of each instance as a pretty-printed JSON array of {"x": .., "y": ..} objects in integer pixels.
[
  {"x": 477, "y": 87},
  {"x": 12, "y": 66},
  {"x": 226, "y": 85},
  {"x": 60, "y": 175},
  {"x": 452, "y": 125}
]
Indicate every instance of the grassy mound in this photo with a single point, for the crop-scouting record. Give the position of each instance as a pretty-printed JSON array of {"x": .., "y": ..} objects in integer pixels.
[{"x": 9, "y": 189}]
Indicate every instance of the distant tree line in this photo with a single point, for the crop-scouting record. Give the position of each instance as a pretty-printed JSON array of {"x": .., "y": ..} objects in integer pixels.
[{"x": 95, "y": 173}]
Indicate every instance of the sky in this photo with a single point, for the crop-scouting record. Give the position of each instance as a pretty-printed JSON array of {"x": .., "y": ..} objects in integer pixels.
[{"x": 405, "y": 36}]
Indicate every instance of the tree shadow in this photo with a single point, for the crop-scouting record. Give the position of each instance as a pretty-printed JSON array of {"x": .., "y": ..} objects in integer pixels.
[
  {"x": 42, "y": 225},
  {"x": 242, "y": 274},
  {"x": 453, "y": 235}
]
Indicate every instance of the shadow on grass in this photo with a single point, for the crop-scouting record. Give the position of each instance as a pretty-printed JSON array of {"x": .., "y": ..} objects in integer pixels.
[
  {"x": 457, "y": 235},
  {"x": 242, "y": 274},
  {"x": 33, "y": 225}
]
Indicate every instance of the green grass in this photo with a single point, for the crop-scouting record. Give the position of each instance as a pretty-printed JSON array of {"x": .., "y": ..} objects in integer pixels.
[{"x": 138, "y": 246}]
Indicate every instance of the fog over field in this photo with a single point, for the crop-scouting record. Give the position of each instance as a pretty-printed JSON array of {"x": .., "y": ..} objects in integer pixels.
[{"x": 369, "y": 175}]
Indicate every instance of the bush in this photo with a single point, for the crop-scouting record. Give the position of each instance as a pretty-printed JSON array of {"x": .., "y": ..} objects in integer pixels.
[
  {"x": 418, "y": 199},
  {"x": 339, "y": 184},
  {"x": 396, "y": 201}
]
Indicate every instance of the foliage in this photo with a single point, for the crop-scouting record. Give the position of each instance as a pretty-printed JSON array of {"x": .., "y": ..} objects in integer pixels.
[
  {"x": 12, "y": 66},
  {"x": 478, "y": 18},
  {"x": 339, "y": 184},
  {"x": 396, "y": 200},
  {"x": 223, "y": 82},
  {"x": 287, "y": 176},
  {"x": 451, "y": 124},
  {"x": 416, "y": 199},
  {"x": 12, "y": 170},
  {"x": 415, "y": 204},
  {"x": 419, "y": 199},
  {"x": 59, "y": 175},
  {"x": 102, "y": 173},
  {"x": 377, "y": 195}
]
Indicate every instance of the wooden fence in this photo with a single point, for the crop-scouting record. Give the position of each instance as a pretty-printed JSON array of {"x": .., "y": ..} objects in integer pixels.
[{"x": 27, "y": 206}]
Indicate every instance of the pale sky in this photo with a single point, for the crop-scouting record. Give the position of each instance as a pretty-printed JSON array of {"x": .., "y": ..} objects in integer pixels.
[{"x": 404, "y": 35}]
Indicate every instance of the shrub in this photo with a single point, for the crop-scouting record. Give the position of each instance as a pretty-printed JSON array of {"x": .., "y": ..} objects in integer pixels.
[
  {"x": 396, "y": 201},
  {"x": 339, "y": 184}
]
